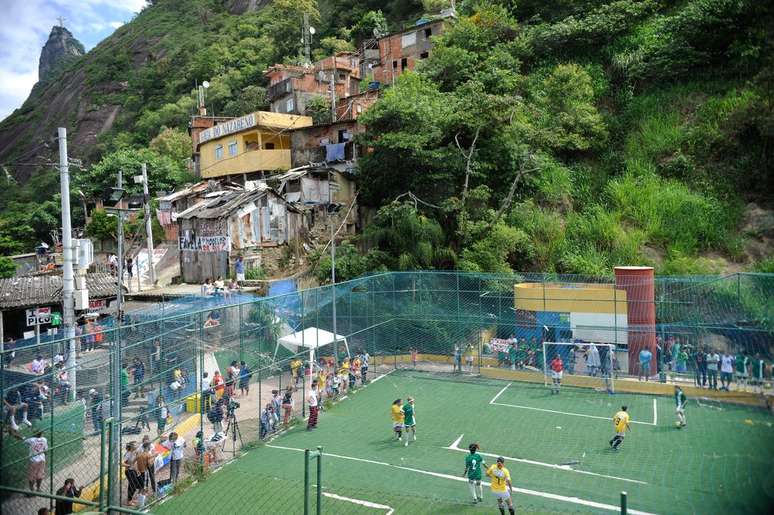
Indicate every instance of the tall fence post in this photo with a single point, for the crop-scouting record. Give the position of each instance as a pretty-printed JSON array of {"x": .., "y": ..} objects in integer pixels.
[
  {"x": 51, "y": 424},
  {"x": 319, "y": 480},
  {"x": 623, "y": 503},
  {"x": 306, "y": 482},
  {"x": 102, "y": 456},
  {"x": 110, "y": 474},
  {"x": 202, "y": 406}
]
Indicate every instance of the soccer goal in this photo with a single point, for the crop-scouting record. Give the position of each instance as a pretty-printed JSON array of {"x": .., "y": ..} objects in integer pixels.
[{"x": 582, "y": 364}]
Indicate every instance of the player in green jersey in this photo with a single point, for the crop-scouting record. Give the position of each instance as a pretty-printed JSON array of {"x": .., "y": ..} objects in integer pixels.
[
  {"x": 409, "y": 419},
  {"x": 473, "y": 463},
  {"x": 680, "y": 400}
]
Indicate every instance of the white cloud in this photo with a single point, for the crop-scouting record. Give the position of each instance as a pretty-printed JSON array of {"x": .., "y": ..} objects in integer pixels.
[
  {"x": 14, "y": 88},
  {"x": 25, "y": 29}
]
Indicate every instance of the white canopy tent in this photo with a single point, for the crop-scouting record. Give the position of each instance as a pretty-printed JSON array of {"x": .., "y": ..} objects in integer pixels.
[{"x": 311, "y": 339}]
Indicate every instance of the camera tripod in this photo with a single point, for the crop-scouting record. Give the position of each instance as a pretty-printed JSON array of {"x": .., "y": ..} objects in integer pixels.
[{"x": 233, "y": 428}]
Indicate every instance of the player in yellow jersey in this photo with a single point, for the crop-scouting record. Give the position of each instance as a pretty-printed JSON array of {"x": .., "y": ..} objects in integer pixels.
[
  {"x": 396, "y": 412},
  {"x": 501, "y": 485},
  {"x": 621, "y": 424}
]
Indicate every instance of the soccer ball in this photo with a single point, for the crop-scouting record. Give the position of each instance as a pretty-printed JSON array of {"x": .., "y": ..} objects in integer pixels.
[{"x": 678, "y": 425}]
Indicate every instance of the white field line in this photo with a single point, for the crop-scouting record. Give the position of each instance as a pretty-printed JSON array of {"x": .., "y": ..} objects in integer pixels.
[
  {"x": 609, "y": 419},
  {"x": 500, "y": 393},
  {"x": 655, "y": 412},
  {"x": 367, "y": 504},
  {"x": 568, "y": 468},
  {"x": 535, "y": 493},
  {"x": 381, "y": 376}
]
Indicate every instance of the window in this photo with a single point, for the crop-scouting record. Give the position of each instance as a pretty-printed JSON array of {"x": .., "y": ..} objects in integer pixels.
[
  {"x": 408, "y": 39},
  {"x": 403, "y": 63},
  {"x": 342, "y": 76},
  {"x": 219, "y": 152},
  {"x": 395, "y": 65},
  {"x": 428, "y": 32},
  {"x": 269, "y": 146},
  {"x": 424, "y": 55},
  {"x": 232, "y": 149},
  {"x": 289, "y": 105}
]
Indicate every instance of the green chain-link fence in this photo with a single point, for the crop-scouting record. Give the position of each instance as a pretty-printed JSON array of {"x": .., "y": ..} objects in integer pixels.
[{"x": 434, "y": 321}]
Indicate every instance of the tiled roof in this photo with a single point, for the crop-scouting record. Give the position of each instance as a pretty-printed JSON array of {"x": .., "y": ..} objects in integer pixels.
[{"x": 41, "y": 290}]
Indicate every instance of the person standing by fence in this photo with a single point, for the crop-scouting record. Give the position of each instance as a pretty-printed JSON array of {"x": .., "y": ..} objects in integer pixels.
[
  {"x": 364, "y": 368},
  {"x": 287, "y": 405},
  {"x": 313, "y": 401},
  {"x": 130, "y": 470},
  {"x": 176, "y": 445},
  {"x": 244, "y": 379},
  {"x": 38, "y": 446},
  {"x": 712, "y": 359}
]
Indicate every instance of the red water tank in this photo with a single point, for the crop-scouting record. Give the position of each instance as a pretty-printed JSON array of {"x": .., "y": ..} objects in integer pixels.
[{"x": 639, "y": 283}]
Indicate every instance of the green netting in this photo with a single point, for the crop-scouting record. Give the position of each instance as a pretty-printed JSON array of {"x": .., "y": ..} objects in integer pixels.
[{"x": 413, "y": 320}]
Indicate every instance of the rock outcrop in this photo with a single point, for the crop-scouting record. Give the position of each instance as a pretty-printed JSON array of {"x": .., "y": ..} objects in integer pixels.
[{"x": 60, "y": 48}]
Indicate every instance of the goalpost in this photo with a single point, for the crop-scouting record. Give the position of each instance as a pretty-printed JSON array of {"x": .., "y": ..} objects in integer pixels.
[{"x": 590, "y": 364}]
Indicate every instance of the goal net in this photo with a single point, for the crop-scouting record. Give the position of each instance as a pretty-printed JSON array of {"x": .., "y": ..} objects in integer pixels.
[{"x": 590, "y": 365}]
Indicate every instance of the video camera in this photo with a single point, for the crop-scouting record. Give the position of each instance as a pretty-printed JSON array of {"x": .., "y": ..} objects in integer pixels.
[{"x": 231, "y": 405}]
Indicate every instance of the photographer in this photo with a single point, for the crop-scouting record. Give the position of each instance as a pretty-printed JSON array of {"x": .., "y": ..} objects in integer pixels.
[
  {"x": 215, "y": 415},
  {"x": 267, "y": 421}
]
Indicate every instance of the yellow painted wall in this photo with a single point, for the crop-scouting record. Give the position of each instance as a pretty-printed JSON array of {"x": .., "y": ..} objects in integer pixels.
[
  {"x": 582, "y": 298},
  {"x": 271, "y": 128}
]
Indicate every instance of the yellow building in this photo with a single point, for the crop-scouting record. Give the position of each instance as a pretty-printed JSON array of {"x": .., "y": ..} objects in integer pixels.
[{"x": 257, "y": 142}]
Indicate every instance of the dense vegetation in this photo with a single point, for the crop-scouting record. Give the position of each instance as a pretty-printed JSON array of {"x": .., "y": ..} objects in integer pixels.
[{"x": 559, "y": 135}]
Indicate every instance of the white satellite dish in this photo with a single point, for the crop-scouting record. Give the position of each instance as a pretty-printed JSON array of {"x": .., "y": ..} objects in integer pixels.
[
  {"x": 312, "y": 30},
  {"x": 205, "y": 84}
]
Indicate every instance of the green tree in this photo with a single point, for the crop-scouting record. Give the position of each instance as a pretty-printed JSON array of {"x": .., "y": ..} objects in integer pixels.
[
  {"x": 7, "y": 267},
  {"x": 164, "y": 173},
  {"x": 568, "y": 118},
  {"x": 319, "y": 108},
  {"x": 102, "y": 226},
  {"x": 407, "y": 239},
  {"x": 174, "y": 144}
]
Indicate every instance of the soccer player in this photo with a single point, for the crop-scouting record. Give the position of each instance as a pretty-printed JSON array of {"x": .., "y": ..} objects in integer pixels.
[
  {"x": 621, "y": 424},
  {"x": 556, "y": 374},
  {"x": 473, "y": 463},
  {"x": 680, "y": 400},
  {"x": 501, "y": 485},
  {"x": 397, "y": 418},
  {"x": 409, "y": 419}
]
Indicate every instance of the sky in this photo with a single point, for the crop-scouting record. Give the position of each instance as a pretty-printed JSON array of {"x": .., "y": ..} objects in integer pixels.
[{"x": 26, "y": 25}]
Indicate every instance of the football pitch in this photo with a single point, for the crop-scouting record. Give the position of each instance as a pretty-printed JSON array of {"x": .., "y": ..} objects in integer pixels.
[{"x": 555, "y": 446}]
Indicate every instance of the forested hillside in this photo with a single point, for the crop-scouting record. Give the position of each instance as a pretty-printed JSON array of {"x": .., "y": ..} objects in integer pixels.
[{"x": 565, "y": 135}]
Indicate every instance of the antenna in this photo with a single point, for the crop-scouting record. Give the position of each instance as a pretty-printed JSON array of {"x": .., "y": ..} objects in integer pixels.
[{"x": 307, "y": 40}]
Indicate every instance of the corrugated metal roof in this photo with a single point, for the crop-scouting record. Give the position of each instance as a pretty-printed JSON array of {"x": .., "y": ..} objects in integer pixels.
[
  {"x": 224, "y": 205},
  {"x": 40, "y": 290}
]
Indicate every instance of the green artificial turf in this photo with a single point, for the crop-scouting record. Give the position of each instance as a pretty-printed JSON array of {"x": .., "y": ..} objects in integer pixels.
[{"x": 717, "y": 464}]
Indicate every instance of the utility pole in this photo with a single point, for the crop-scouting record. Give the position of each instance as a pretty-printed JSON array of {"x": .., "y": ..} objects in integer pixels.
[
  {"x": 333, "y": 273},
  {"x": 333, "y": 96},
  {"x": 115, "y": 380},
  {"x": 68, "y": 280},
  {"x": 307, "y": 36},
  {"x": 148, "y": 225}
]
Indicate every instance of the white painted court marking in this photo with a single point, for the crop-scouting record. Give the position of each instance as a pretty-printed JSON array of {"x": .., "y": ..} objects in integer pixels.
[
  {"x": 381, "y": 376},
  {"x": 367, "y": 504},
  {"x": 494, "y": 402},
  {"x": 500, "y": 393},
  {"x": 568, "y": 468},
  {"x": 535, "y": 493}
]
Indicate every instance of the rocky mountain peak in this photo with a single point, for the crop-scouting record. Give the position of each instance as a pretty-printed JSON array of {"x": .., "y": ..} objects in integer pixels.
[{"x": 60, "y": 48}]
